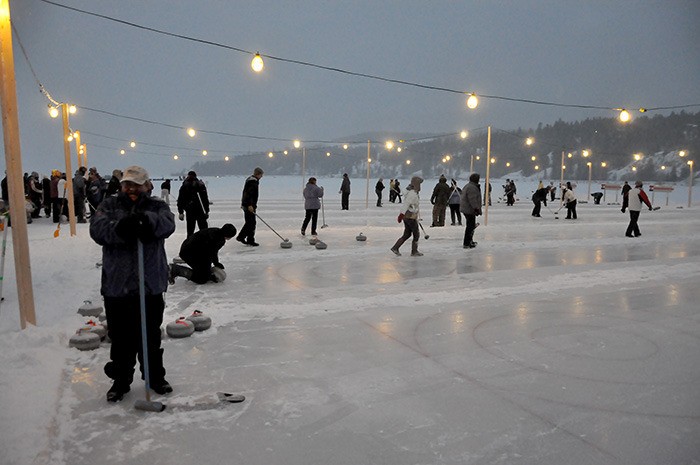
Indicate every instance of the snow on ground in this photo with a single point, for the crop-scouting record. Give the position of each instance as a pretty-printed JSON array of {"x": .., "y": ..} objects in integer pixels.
[{"x": 554, "y": 341}]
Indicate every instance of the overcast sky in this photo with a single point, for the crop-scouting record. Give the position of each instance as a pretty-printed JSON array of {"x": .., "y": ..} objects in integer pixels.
[{"x": 603, "y": 53}]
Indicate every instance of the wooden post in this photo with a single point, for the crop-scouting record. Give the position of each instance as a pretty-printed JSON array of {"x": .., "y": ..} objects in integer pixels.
[
  {"x": 76, "y": 137},
  {"x": 13, "y": 161},
  {"x": 367, "y": 190},
  {"x": 561, "y": 181},
  {"x": 69, "y": 171},
  {"x": 690, "y": 184},
  {"x": 488, "y": 171},
  {"x": 303, "y": 167}
]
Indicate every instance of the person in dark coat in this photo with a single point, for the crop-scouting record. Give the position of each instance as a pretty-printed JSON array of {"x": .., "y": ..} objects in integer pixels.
[
  {"x": 397, "y": 190},
  {"x": 201, "y": 251},
  {"x": 114, "y": 186},
  {"x": 79, "y": 194},
  {"x": 538, "y": 198},
  {"x": 36, "y": 194},
  {"x": 345, "y": 193},
  {"x": 249, "y": 205},
  {"x": 626, "y": 188},
  {"x": 193, "y": 202},
  {"x": 46, "y": 187},
  {"x": 378, "y": 188},
  {"x": 312, "y": 203},
  {"x": 439, "y": 199},
  {"x": 96, "y": 188},
  {"x": 455, "y": 214},
  {"x": 119, "y": 223},
  {"x": 470, "y": 205},
  {"x": 636, "y": 197}
]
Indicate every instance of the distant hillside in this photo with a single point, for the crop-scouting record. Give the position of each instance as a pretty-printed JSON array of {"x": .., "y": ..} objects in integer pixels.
[{"x": 657, "y": 140}]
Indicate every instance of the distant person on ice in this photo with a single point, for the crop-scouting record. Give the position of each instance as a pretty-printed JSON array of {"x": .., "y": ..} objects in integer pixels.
[
  {"x": 635, "y": 198},
  {"x": 345, "y": 193},
  {"x": 626, "y": 188},
  {"x": 249, "y": 205},
  {"x": 410, "y": 215},
  {"x": 455, "y": 214},
  {"x": 538, "y": 198},
  {"x": 193, "y": 202},
  {"x": 568, "y": 198},
  {"x": 312, "y": 203},
  {"x": 440, "y": 199},
  {"x": 119, "y": 222},
  {"x": 378, "y": 188},
  {"x": 471, "y": 207},
  {"x": 201, "y": 252}
]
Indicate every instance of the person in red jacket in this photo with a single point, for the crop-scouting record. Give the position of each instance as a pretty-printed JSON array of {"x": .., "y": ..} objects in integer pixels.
[{"x": 635, "y": 198}]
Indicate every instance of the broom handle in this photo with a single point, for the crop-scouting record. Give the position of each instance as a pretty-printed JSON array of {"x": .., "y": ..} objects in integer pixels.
[{"x": 142, "y": 304}]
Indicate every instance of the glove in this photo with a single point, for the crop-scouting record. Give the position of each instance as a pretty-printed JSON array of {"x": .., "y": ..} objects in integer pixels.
[
  {"x": 206, "y": 216},
  {"x": 219, "y": 265},
  {"x": 622, "y": 209},
  {"x": 181, "y": 216},
  {"x": 251, "y": 209},
  {"x": 400, "y": 217},
  {"x": 145, "y": 228},
  {"x": 477, "y": 212},
  {"x": 650, "y": 209},
  {"x": 128, "y": 228}
]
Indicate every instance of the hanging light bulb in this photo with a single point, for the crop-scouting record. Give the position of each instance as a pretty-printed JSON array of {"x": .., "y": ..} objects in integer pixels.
[
  {"x": 493, "y": 160},
  {"x": 328, "y": 154},
  {"x": 297, "y": 143},
  {"x": 472, "y": 101},
  {"x": 270, "y": 155},
  {"x": 285, "y": 152},
  {"x": 529, "y": 141},
  {"x": 226, "y": 158},
  {"x": 175, "y": 157},
  {"x": 70, "y": 137},
  {"x": 508, "y": 164},
  {"x": 257, "y": 63},
  {"x": 463, "y": 134},
  {"x": 204, "y": 153},
  {"x": 53, "y": 112},
  {"x": 389, "y": 144},
  {"x": 625, "y": 115},
  {"x": 408, "y": 162},
  {"x": 72, "y": 109},
  {"x": 345, "y": 146},
  {"x": 191, "y": 132},
  {"x": 533, "y": 158},
  {"x": 448, "y": 158},
  {"x": 398, "y": 149},
  {"x": 122, "y": 152},
  {"x": 132, "y": 144}
]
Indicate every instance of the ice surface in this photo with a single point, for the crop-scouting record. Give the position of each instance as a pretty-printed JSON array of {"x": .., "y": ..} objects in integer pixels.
[{"x": 551, "y": 342}]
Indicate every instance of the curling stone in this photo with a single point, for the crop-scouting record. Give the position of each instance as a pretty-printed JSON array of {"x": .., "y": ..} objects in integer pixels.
[
  {"x": 90, "y": 309},
  {"x": 321, "y": 245},
  {"x": 361, "y": 238},
  {"x": 285, "y": 244},
  {"x": 84, "y": 340},
  {"x": 219, "y": 274},
  {"x": 313, "y": 241},
  {"x": 200, "y": 320},
  {"x": 180, "y": 328},
  {"x": 95, "y": 327}
]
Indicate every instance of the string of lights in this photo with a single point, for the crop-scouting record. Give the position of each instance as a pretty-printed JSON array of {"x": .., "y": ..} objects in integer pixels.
[{"x": 258, "y": 65}]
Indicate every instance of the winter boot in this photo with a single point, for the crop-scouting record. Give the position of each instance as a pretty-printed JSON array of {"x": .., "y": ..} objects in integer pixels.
[
  {"x": 179, "y": 270},
  {"x": 396, "y": 246},
  {"x": 117, "y": 391},
  {"x": 414, "y": 249}
]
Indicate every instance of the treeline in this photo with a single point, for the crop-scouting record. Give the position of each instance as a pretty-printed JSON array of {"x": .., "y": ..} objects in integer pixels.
[{"x": 658, "y": 139}]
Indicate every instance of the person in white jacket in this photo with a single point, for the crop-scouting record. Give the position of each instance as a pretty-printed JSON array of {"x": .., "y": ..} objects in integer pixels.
[
  {"x": 410, "y": 215},
  {"x": 635, "y": 198},
  {"x": 568, "y": 198}
]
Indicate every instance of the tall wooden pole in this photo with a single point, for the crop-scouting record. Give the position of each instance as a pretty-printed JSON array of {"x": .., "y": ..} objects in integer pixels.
[
  {"x": 76, "y": 137},
  {"x": 488, "y": 171},
  {"x": 69, "y": 171},
  {"x": 561, "y": 181},
  {"x": 690, "y": 184},
  {"x": 367, "y": 189},
  {"x": 303, "y": 167},
  {"x": 13, "y": 161}
]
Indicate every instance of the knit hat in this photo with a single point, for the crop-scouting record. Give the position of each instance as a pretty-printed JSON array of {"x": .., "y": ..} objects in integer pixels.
[
  {"x": 638, "y": 184},
  {"x": 228, "y": 230}
]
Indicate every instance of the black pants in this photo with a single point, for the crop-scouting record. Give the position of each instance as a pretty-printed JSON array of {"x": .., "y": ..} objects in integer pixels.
[
  {"x": 312, "y": 215},
  {"x": 410, "y": 228},
  {"x": 60, "y": 207},
  {"x": 571, "y": 210},
  {"x": 247, "y": 233},
  {"x": 79, "y": 205},
  {"x": 345, "y": 201},
  {"x": 511, "y": 199},
  {"x": 379, "y": 198},
  {"x": 455, "y": 213},
  {"x": 469, "y": 230},
  {"x": 633, "y": 227},
  {"x": 200, "y": 264},
  {"x": 195, "y": 218},
  {"x": 538, "y": 207},
  {"x": 124, "y": 329}
]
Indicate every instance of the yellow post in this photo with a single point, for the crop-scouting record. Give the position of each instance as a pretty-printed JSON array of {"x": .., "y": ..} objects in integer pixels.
[
  {"x": 561, "y": 181},
  {"x": 69, "y": 171},
  {"x": 488, "y": 171},
  {"x": 367, "y": 190},
  {"x": 690, "y": 184},
  {"x": 13, "y": 161},
  {"x": 76, "y": 137}
]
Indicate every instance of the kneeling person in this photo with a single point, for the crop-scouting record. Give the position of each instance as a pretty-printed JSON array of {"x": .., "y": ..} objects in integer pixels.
[{"x": 200, "y": 251}]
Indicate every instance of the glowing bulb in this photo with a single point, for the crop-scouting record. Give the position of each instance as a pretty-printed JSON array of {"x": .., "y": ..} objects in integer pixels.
[
  {"x": 690, "y": 162},
  {"x": 297, "y": 143},
  {"x": 478, "y": 157},
  {"x": 508, "y": 164},
  {"x": 529, "y": 141},
  {"x": 122, "y": 152},
  {"x": 493, "y": 160},
  {"x": 398, "y": 149},
  {"x": 204, "y": 153},
  {"x": 681, "y": 153},
  {"x": 625, "y": 116},
  {"x": 463, "y": 134},
  {"x": 472, "y": 101},
  {"x": 569, "y": 154},
  {"x": 257, "y": 63},
  {"x": 70, "y": 137},
  {"x": 191, "y": 132},
  {"x": 603, "y": 164},
  {"x": 537, "y": 167},
  {"x": 328, "y": 154},
  {"x": 637, "y": 156},
  {"x": 270, "y": 155},
  {"x": 408, "y": 162},
  {"x": 389, "y": 145},
  {"x": 175, "y": 157},
  {"x": 563, "y": 167},
  {"x": 533, "y": 158},
  {"x": 285, "y": 152},
  {"x": 132, "y": 144},
  {"x": 226, "y": 158},
  {"x": 53, "y": 112},
  {"x": 369, "y": 160},
  {"x": 585, "y": 153},
  {"x": 663, "y": 167},
  {"x": 444, "y": 160},
  {"x": 72, "y": 109},
  {"x": 589, "y": 164},
  {"x": 345, "y": 146}
]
